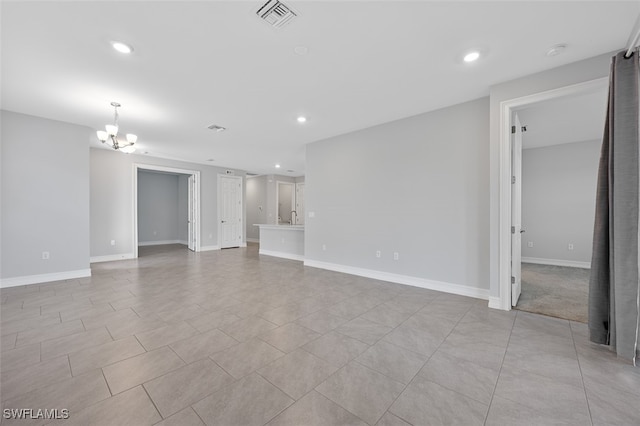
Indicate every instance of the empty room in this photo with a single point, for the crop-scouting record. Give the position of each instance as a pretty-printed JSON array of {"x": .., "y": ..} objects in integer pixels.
[{"x": 318, "y": 212}]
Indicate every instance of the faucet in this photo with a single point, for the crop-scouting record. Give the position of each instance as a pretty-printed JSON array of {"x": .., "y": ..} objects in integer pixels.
[{"x": 292, "y": 222}]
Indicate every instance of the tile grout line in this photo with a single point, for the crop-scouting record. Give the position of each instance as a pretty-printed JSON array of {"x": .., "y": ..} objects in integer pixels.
[
  {"x": 426, "y": 362},
  {"x": 151, "y": 399},
  {"x": 500, "y": 370},
  {"x": 584, "y": 388}
]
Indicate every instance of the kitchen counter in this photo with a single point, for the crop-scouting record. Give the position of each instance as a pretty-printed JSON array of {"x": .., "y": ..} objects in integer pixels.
[{"x": 286, "y": 241}]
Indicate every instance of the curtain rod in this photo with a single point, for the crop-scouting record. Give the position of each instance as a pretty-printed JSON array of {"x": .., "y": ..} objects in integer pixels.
[{"x": 633, "y": 38}]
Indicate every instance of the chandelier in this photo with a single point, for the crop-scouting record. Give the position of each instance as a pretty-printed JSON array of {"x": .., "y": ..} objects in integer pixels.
[{"x": 111, "y": 134}]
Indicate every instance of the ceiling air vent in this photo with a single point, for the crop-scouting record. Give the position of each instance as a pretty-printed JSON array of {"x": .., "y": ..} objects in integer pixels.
[
  {"x": 276, "y": 13},
  {"x": 217, "y": 128}
]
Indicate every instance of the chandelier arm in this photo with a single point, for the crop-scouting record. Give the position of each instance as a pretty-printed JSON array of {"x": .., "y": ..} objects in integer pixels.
[{"x": 116, "y": 145}]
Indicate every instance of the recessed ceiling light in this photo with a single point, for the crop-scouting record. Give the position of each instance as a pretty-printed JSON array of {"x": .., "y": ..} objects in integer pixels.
[
  {"x": 121, "y": 47},
  {"x": 277, "y": 166},
  {"x": 302, "y": 119},
  {"x": 556, "y": 49},
  {"x": 301, "y": 50},
  {"x": 471, "y": 56},
  {"x": 210, "y": 159}
]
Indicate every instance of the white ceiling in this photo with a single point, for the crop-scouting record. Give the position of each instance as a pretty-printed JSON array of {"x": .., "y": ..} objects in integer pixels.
[
  {"x": 205, "y": 62},
  {"x": 569, "y": 119}
]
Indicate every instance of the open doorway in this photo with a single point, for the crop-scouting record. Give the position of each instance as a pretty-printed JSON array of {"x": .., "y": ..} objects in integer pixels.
[
  {"x": 555, "y": 154},
  {"x": 285, "y": 194},
  {"x": 166, "y": 209}
]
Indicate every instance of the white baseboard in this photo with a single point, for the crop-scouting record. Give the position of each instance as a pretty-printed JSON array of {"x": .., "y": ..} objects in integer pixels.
[
  {"x": 495, "y": 302},
  {"x": 556, "y": 262},
  {"x": 253, "y": 240},
  {"x": 44, "y": 278},
  {"x": 243, "y": 244},
  {"x": 112, "y": 257},
  {"x": 290, "y": 256},
  {"x": 458, "y": 289},
  {"x": 160, "y": 243},
  {"x": 209, "y": 248}
]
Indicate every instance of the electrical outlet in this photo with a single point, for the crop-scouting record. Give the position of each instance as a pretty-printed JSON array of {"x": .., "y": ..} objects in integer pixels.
[
  {"x": 530, "y": 244},
  {"x": 45, "y": 255},
  {"x": 155, "y": 232},
  {"x": 113, "y": 242},
  {"x": 570, "y": 247},
  {"x": 282, "y": 240},
  {"x": 324, "y": 247},
  {"x": 210, "y": 236},
  {"x": 378, "y": 253},
  {"x": 312, "y": 215},
  {"x": 396, "y": 255}
]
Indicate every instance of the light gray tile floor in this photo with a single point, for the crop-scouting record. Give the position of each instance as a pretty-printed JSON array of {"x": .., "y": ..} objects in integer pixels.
[{"x": 233, "y": 338}]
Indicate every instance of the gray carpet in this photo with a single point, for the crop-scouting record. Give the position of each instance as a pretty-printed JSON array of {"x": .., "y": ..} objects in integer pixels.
[{"x": 556, "y": 291}]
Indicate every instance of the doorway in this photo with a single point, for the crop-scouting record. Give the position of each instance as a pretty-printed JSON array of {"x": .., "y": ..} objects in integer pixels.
[
  {"x": 192, "y": 216},
  {"x": 285, "y": 194},
  {"x": 543, "y": 220}
]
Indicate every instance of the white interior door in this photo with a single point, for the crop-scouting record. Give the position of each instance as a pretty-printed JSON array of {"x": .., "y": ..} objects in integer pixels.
[
  {"x": 516, "y": 211},
  {"x": 230, "y": 211},
  {"x": 192, "y": 216},
  {"x": 300, "y": 203}
]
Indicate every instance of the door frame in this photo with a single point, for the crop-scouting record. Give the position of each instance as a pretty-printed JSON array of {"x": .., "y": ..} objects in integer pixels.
[
  {"x": 296, "y": 202},
  {"x": 243, "y": 242},
  {"x": 293, "y": 197},
  {"x": 507, "y": 108},
  {"x": 195, "y": 201}
]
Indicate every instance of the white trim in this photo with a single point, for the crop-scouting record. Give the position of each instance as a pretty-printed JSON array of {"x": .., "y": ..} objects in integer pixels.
[
  {"x": 557, "y": 262},
  {"x": 160, "y": 243},
  {"x": 112, "y": 257},
  {"x": 504, "y": 225},
  {"x": 494, "y": 302},
  {"x": 244, "y": 244},
  {"x": 153, "y": 167},
  {"x": 209, "y": 248},
  {"x": 253, "y": 240},
  {"x": 462, "y": 290},
  {"x": 290, "y": 256},
  {"x": 44, "y": 278}
]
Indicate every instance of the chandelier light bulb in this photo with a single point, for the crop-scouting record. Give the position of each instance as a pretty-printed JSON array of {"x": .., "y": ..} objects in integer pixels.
[
  {"x": 112, "y": 129},
  {"x": 131, "y": 138},
  {"x": 102, "y": 135}
]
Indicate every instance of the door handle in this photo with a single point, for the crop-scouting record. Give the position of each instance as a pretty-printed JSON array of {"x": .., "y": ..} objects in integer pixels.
[{"x": 521, "y": 231}]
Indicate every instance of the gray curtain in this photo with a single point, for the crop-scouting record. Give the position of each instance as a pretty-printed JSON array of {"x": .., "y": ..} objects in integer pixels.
[{"x": 614, "y": 289}]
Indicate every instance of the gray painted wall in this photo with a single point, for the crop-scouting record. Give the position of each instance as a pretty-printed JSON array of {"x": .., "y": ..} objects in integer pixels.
[
  {"x": 157, "y": 207},
  {"x": 45, "y": 195},
  {"x": 417, "y": 186},
  {"x": 112, "y": 200},
  {"x": 573, "y": 73},
  {"x": 256, "y": 205},
  {"x": 558, "y": 200}
]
